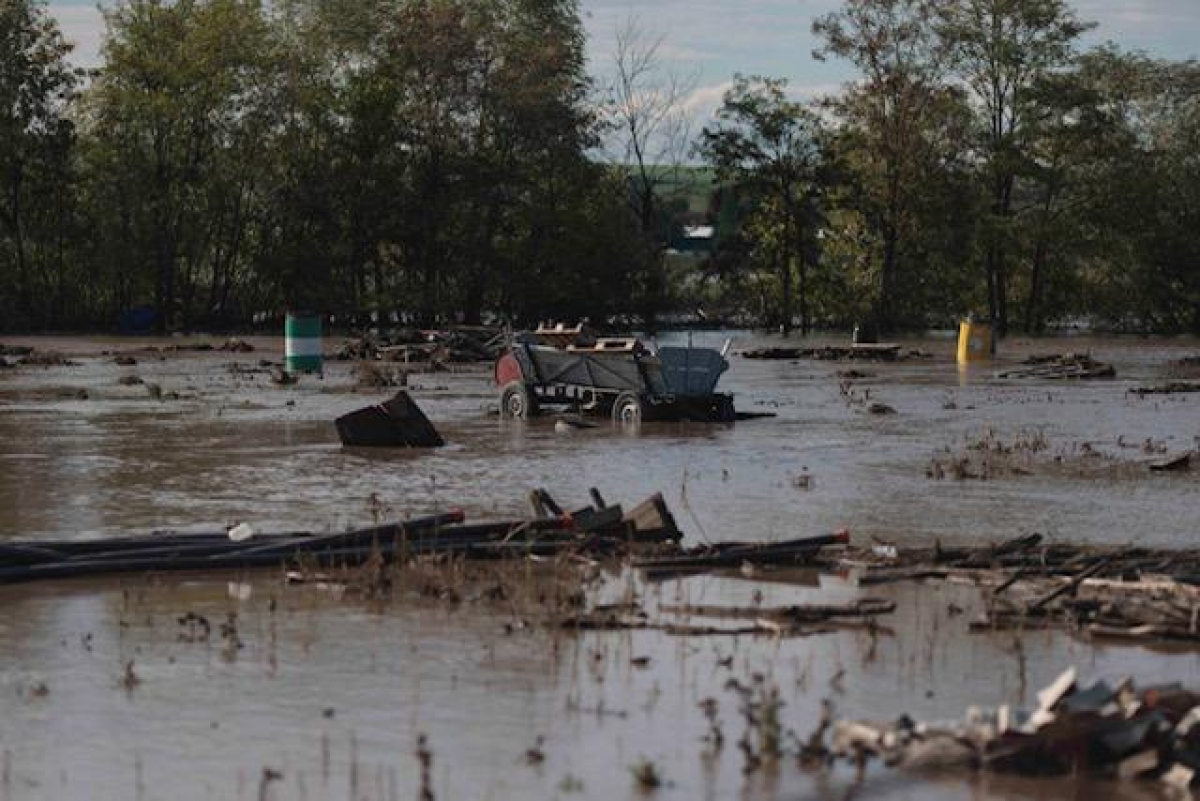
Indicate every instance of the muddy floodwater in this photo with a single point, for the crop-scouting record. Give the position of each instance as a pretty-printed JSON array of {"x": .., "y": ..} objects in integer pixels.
[{"x": 302, "y": 693}]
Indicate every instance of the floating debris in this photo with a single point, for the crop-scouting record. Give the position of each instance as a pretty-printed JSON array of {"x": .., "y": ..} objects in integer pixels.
[
  {"x": 372, "y": 375},
  {"x": 457, "y": 345},
  {"x": 603, "y": 531},
  {"x": 883, "y": 352},
  {"x": 1169, "y": 388},
  {"x": 235, "y": 345},
  {"x": 47, "y": 359},
  {"x": 397, "y": 423},
  {"x": 736, "y": 554},
  {"x": 1132, "y": 593},
  {"x": 1182, "y": 461},
  {"x": 1102, "y": 730},
  {"x": 1061, "y": 366},
  {"x": 282, "y": 378},
  {"x": 646, "y": 775}
]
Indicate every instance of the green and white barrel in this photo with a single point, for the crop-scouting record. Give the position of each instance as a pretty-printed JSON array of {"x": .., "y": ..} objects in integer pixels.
[{"x": 302, "y": 343}]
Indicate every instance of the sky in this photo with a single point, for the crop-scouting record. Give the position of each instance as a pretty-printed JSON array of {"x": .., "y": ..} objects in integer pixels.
[{"x": 710, "y": 40}]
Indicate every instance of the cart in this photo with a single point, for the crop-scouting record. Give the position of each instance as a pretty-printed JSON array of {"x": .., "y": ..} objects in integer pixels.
[{"x": 619, "y": 377}]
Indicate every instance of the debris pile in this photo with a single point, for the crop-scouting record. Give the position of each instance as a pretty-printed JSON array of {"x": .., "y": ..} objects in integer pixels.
[
  {"x": 1029, "y": 452},
  {"x": 599, "y": 529},
  {"x": 1133, "y": 593},
  {"x": 26, "y": 356},
  {"x": 1119, "y": 731},
  {"x": 372, "y": 345},
  {"x": 457, "y": 345},
  {"x": 1061, "y": 366},
  {"x": 372, "y": 375},
  {"x": 836, "y": 353}
]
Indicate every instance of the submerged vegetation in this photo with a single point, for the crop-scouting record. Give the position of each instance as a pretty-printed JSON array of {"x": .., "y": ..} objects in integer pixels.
[{"x": 440, "y": 160}]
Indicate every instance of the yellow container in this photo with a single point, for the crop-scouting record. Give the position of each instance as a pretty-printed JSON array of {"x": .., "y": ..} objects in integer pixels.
[{"x": 974, "y": 342}]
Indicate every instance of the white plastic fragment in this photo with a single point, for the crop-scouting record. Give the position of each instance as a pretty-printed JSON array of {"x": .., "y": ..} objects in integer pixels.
[
  {"x": 849, "y": 736},
  {"x": 1055, "y": 691},
  {"x": 241, "y": 532},
  {"x": 1179, "y": 776},
  {"x": 1186, "y": 723},
  {"x": 885, "y": 551}
]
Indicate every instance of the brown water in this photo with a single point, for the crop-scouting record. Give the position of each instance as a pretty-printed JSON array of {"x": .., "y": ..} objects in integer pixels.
[{"x": 332, "y": 693}]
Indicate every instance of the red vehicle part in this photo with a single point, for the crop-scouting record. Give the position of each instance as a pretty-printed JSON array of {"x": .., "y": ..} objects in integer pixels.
[{"x": 507, "y": 370}]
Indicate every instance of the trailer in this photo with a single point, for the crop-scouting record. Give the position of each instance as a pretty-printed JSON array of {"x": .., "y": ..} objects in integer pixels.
[{"x": 621, "y": 377}]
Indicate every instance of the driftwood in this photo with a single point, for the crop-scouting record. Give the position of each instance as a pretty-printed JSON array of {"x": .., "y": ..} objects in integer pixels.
[
  {"x": 735, "y": 554},
  {"x": 794, "y": 614},
  {"x": 602, "y": 532},
  {"x": 1103, "y": 591},
  {"x": 783, "y": 621}
]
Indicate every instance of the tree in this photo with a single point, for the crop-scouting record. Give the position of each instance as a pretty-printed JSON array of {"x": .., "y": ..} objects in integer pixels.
[
  {"x": 36, "y": 85},
  {"x": 770, "y": 145},
  {"x": 1000, "y": 49},
  {"x": 1144, "y": 205},
  {"x": 1073, "y": 134},
  {"x": 433, "y": 162},
  {"x": 176, "y": 121},
  {"x": 651, "y": 131},
  {"x": 900, "y": 140}
]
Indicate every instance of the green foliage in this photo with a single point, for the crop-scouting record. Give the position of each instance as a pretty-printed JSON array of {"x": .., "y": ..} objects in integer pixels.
[
  {"x": 768, "y": 148},
  {"x": 901, "y": 147},
  {"x": 420, "y": 156},
  {"x": 436, "y": 159},
  {"x": 36, "y": 86},
  {"x": 1001, "y": 49}
]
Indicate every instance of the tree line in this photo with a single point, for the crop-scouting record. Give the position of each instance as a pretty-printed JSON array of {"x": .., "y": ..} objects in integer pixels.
[{"x": 452, "y": 161}]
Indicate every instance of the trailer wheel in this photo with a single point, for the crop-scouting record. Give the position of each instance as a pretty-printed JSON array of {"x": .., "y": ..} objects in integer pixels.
[
  {"x": 627, "y": 408},
  {"x": 517, "y": 402}
]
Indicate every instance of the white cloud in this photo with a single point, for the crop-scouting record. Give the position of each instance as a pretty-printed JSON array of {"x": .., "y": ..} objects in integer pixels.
[{"x": 705, "y": 100}]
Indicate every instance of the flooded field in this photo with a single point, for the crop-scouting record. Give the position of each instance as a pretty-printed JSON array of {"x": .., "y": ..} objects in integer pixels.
[{"x": 299, "y": 693}]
